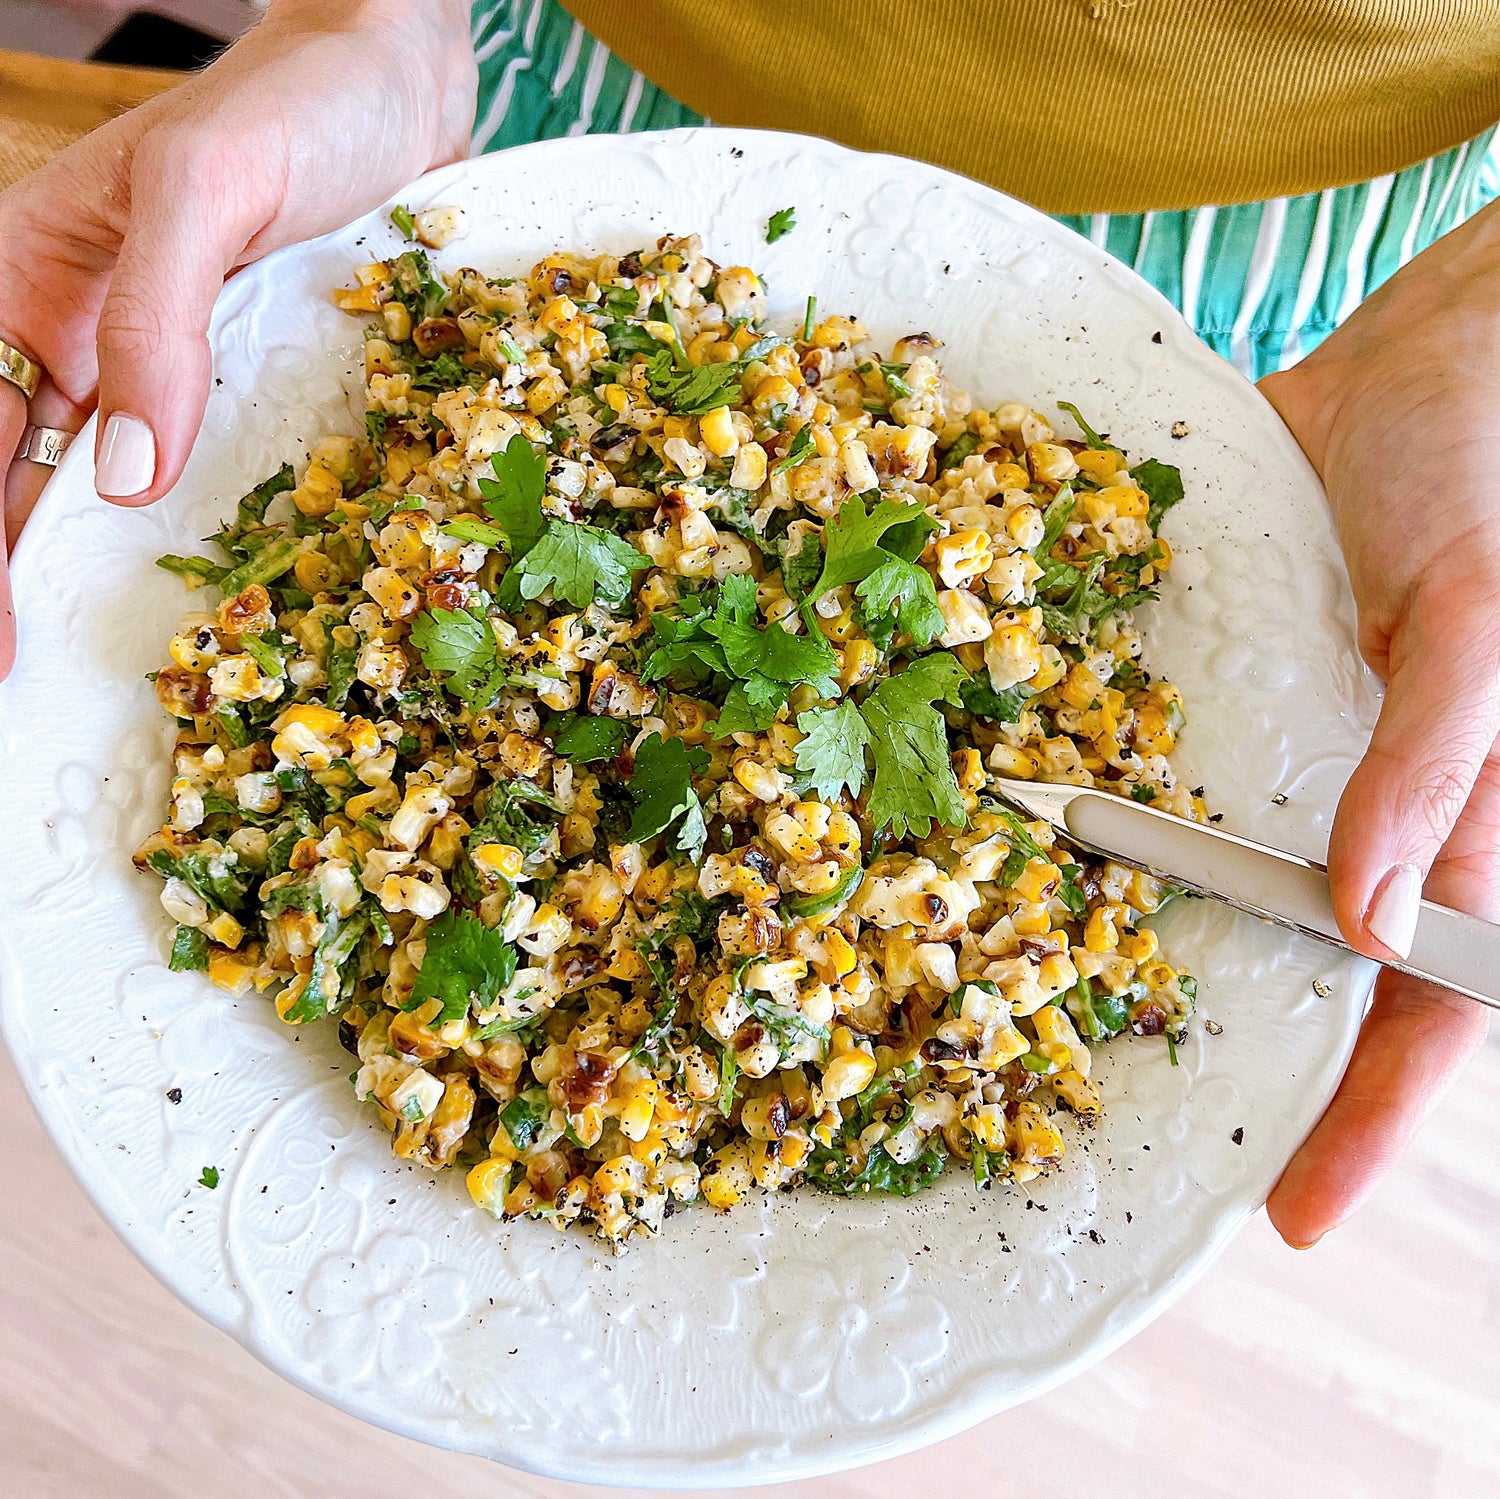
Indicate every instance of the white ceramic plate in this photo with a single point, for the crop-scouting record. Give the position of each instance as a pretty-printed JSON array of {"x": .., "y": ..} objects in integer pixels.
[{"x": 797, "y": 1335}]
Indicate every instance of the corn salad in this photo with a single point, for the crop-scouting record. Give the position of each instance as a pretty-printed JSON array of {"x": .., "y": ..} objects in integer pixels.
[{"x": 604, "y": 738}]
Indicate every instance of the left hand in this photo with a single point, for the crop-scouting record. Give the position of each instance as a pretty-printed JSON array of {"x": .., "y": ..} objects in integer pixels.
[{"x": 1399, "y": 411}]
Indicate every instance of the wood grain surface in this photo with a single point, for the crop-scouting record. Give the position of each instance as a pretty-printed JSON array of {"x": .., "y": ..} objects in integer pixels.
[{"x": 1368, "y": 1368}]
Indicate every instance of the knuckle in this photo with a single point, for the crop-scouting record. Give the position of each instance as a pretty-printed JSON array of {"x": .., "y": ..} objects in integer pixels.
[{"x": 132, "y": 319}]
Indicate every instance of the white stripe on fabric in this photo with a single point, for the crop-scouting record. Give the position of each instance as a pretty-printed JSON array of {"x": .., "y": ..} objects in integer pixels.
[
  {"x": 494, "y": 116},
  {"x": 1194, "y": 261},
  {"x": 1311, "y": 282},
  {"x": 483, "y": 50},
  {"x": 1257, "y": 280},
  {"x": 1358, "y": 263},
  {"x": 1409, "y": 236},
  {"x": 1099, "y": 229},
  {"x": 1147, "y": 220},
  {"x": 593, "y": 81},
  {"x": 569, "y": 59},
  {"x": 633, "y": 92},
  {"x": 1452, "y": 182}
]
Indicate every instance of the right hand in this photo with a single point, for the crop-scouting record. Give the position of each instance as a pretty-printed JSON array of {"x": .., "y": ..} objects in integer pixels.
[{"x": 112, "y": 254}]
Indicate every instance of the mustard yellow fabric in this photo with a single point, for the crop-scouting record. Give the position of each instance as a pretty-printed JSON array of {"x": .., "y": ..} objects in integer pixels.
[{"x": 1088, "y": 106}]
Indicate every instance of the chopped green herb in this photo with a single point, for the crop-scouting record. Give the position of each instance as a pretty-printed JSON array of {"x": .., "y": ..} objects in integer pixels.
[
  {"x": 189, "y": 950},
  {"x": 210, "y": 1177},
  {"x": 782, "y": 222}
]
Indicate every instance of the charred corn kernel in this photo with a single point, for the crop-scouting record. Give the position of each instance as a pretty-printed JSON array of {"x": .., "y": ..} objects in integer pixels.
[
  {"x": 847, "y": 1074},
  {"x": 717, "y": 431},
  {"x": 231, "y": 970},
  {"x": 502, "y": 859},
  {"x": 487, "y": 1183},
  {"x": 314, "y": 571}
]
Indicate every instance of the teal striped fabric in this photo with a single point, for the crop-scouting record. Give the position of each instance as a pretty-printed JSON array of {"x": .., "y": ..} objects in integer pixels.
[{"x": 1262, "y": 283}]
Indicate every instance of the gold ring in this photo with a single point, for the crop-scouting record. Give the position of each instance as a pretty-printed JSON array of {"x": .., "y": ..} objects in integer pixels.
[{"x": 25, "y": 374}]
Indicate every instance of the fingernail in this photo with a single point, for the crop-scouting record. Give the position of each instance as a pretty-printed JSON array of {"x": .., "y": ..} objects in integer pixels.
[
  {"x": 127, "y": 457},
  {"x": 1392, "y": 917},
  {"x": 1311, "y": 1243}
]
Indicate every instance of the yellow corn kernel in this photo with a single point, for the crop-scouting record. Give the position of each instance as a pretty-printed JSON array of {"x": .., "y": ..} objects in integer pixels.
[
  {"x": 557, "y": 314},
  {"x": 650, "y": 1149},
  {"x": 968, "y": 766},
  {"x": 860, "y": 661},
  {"x": 225, "y": 930},
  {"x": 1010, "y": 761},
  {"x": 963, "y": 555},
  {"x": 545, "y": 394},
  {"x": 1143, "y": 946},
  {"x": 1038, "y": 881},
  {"x": 1012, "y": 476},
  {"x": 1098, "y": 464},
  {"x": 750, "y": 465},
  {"x": 616, "y": 397},
  {"x": 840, "y": 952},
  {"x": 501, "y": 858},
  {"x": 1030, "y": 919},
  {"x": 1078, "y": 1093},
  {"x": 987, "y": 1125},
  {"x": 635, "y": 1117},
  {"x": 719, "y": 1191},
  {"x": 1156, "y": 974},
  {"x": 397, "y": 322},
  {"x": 323, "y": 722},
  {"x": 1101, "y": 934},
  {"x": 357, "y": 299},
  {"x": 716, "y": 428},
  {"x": 847, "y": 1074},
  {"x": 680, "y": 426},
  {"x": 487, "y": 1183}
]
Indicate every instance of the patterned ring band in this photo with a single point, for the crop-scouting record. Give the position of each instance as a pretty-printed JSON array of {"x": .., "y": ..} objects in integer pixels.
[
  {"x": 25, "y": 374},
  {"x": 45, "y": 445}
]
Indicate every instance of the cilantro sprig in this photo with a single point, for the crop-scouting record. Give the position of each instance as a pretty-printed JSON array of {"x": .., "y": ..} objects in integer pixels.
[
  {"x": 901, "y": 729},
  {"x": 661, "y": 785},
  {"x": 466, "y": 963}
]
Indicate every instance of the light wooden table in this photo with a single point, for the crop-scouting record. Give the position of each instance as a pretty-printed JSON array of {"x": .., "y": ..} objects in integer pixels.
[{"x": 1366, "y": 1369}]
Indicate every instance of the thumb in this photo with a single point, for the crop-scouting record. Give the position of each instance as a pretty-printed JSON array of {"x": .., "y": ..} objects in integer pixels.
[
  {"x": 1439, "y": 721},
  {"x": 184, "y": 233}
]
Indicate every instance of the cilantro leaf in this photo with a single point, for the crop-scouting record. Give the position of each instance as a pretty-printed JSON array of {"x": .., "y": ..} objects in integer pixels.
[
  {"x": 781, "y": 223},
  {"x": 1089, "y": 435},
  {"x": 801, "y": 564},
  {"x": 1001, "y": 707},
  {"x": 832, "y": 752},
  {"x": 210, "y": 1177},
  {"x": 584, "y": 739},
  {"x": 514, "y": 496},
  {"x": 691, "y": 392},
  {"x": 964, "y": 444},
  {"x": 466, "y": 962},
  {"x": 914, "y": 783},
  {"x": 851, "y": 540},
  {"x": 461, "y": 643},
  {"x": 776, "y": 654},
  {"x": 662, "y": 786},
  {"x": 1163, "y": 486},
  {"x": 579, "y": 563},
  {"x": 189, "y": 950},
  {"x": 740, "y": 715},
  {"x": 900, "y": 595},
  {"x": 342, "y": 668},
  {"x": 1054, "y": 518},
  {"x": 802, "y": 447}
]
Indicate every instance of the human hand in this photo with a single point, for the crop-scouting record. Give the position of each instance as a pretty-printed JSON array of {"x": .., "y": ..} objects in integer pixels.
[
  {"x": 112, "y": 255},
  {"x": 1399, "y": 411}
]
